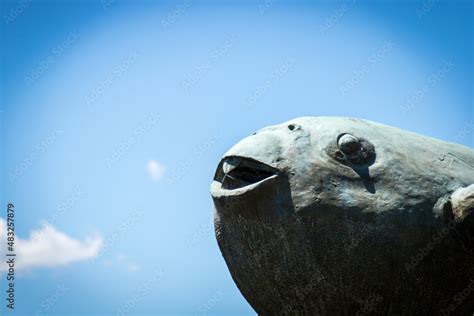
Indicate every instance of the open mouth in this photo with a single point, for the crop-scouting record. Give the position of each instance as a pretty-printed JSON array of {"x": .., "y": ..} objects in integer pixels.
[{"x": 238, "y": 172}]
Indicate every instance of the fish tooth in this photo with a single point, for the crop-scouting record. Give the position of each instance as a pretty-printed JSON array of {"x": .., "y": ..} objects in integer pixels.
[{"x": 227, "y": 167}]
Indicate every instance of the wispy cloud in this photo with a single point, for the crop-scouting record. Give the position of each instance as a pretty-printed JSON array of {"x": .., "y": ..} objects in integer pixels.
[
  {"x": 122, "y": 262},
  {"x": 155, "y": 170},
  {"x": 48, "y": 247}
]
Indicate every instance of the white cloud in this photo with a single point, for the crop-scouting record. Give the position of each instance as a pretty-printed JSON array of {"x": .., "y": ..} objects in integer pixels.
[
  {"x": 155, "y": 170},
  {"x": 48, "y": 247},
  {"x": 122, "y": 262}
]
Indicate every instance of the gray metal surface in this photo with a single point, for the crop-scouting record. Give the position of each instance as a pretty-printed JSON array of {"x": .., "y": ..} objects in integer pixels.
[{"x": 329, "y": 215}]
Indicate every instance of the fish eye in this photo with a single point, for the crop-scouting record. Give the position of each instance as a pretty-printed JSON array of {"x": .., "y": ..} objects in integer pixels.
[
  {"x": 349, "y": 145},
  {"x": 294, "y": 127},
  {"x": 352, "y": 151}
]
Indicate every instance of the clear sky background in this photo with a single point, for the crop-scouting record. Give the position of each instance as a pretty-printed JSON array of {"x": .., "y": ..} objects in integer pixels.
[{"x": 114, "y": 115}]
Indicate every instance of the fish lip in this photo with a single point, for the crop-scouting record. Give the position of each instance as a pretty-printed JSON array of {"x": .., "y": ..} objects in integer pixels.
[{"x": 247, "y": 174}]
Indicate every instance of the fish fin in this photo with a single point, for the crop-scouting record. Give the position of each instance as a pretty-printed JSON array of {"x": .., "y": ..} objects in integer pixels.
[
  {"x": 461, "y": 211},
  {"x": 462, "y": 201}
]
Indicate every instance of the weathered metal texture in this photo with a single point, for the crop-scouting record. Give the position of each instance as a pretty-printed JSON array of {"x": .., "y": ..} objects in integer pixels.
[{"x": 328, "y": 215}]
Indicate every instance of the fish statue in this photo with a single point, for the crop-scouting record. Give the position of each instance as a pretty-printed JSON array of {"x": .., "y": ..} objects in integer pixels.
[{"x": 345, "y": 216}]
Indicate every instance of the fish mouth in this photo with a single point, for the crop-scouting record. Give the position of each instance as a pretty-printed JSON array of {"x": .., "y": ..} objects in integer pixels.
[{"x": 237, "y": 175}]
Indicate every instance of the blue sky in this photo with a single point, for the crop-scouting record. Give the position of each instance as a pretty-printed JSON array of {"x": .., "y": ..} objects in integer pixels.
[{"x": 114, "y": 115}]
